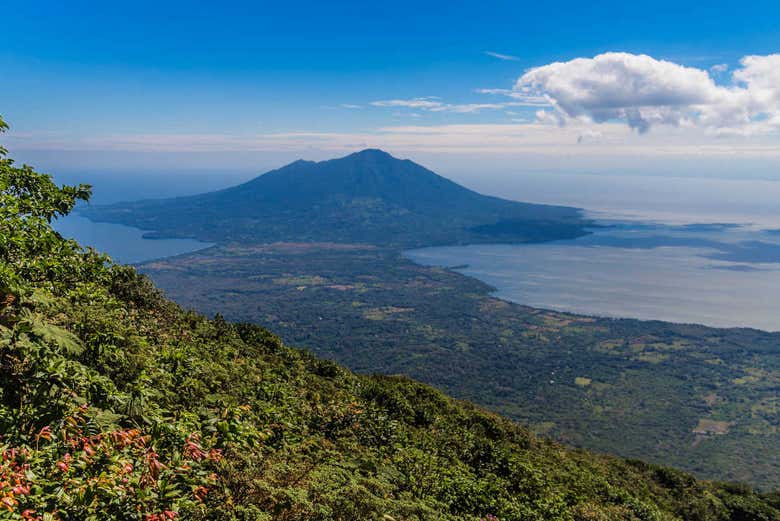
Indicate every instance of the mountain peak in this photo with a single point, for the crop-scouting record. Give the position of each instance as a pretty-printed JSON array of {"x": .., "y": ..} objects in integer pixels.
[
  {"x": 301, "y": 162},
  {"x": 367, "y": 155},
  {"x": 372, "y": 154}
]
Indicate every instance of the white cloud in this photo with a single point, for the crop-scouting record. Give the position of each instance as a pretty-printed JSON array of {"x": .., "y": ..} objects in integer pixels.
[
  {"x": 505, "y": 57},
  {"x": 506, "y": 92},
  {"x": 521, "y": 98},
  {"x": 350, "y": 106},
  {"x": 434, "y": 105},
  {"x": 644, "y": 92},
  {"x": 719, "y": 68},
  {"x": 427, "y": 103},
  {"x": 470, "y": 107}
]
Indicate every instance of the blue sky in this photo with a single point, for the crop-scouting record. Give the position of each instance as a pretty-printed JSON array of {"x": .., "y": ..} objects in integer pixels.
[{"x": 242, "y": 84}]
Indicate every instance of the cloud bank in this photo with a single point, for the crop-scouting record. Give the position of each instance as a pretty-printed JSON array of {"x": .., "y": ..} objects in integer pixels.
[
  {"x": 577, "y": 139},
  {"x": 644, "y": 92}
]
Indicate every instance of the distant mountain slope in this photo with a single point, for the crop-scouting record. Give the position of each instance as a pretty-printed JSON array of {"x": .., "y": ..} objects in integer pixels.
[{"x": 368, "y": 197}]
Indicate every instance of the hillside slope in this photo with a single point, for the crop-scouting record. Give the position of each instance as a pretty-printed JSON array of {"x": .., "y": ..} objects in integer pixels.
[
  {"x": 367, "y": 197},
  {"x": 117, "y": 404}
]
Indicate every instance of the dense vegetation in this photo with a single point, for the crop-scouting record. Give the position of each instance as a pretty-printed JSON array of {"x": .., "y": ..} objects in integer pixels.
[
  {"x": 367, "y": 197},
  {"x": 117, "y": 404},
  {"x": 699, "y": 398}
]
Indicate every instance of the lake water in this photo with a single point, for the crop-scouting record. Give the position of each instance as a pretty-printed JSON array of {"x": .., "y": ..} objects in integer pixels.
[
  {"x": 123, "y": 243},
  {"x": 719, "y": 275}
]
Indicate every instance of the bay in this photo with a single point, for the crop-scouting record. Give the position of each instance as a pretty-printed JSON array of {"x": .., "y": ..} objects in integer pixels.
[{"x": 123, "y": 243}]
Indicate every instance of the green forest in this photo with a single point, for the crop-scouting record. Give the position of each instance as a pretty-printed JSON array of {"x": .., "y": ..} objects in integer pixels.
[
  {"x": 699, "y": 398},
  {"x": 116, "y": 403}
]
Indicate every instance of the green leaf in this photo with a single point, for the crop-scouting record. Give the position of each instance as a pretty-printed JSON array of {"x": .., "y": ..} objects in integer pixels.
[{"x": 52, "y": 334}]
